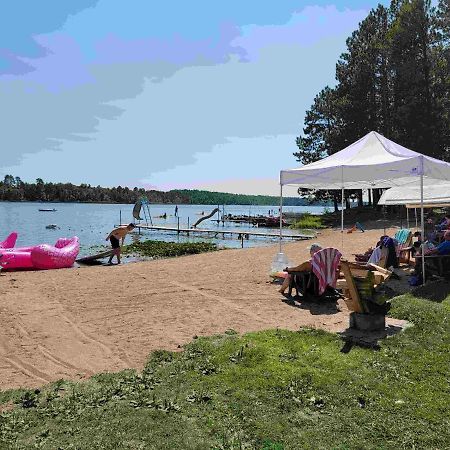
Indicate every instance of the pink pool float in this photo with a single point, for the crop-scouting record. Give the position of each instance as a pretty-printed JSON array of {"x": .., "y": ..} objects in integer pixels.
[
  {"x": 10, "y": 241},
  {"x": 44, "y": 256}
]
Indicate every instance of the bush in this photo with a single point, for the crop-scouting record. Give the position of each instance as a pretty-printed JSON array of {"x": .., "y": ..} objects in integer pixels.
[
  {"x": 159, "y": 249},
  {"x": 308, "y": 220}
]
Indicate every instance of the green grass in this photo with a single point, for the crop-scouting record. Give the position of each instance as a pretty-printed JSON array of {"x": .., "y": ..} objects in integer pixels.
[
  {"x": 273, "y": 390},
  {"x": 160, "y": 249},
  {"x": 308, "y": 221}
]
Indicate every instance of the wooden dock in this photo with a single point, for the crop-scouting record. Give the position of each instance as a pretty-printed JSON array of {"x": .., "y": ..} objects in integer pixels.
[{"x": 223, "y": 232}]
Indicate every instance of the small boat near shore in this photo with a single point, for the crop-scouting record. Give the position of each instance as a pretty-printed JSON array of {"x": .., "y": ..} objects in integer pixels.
[
  {"x": 47, "y": 209},
  {"x": 257, "y": 221}
]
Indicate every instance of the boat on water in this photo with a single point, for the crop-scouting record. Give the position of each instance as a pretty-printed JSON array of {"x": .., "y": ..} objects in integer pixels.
[
  {"x": 47, "y": 209},
  {"x": 258, "y": 221}
]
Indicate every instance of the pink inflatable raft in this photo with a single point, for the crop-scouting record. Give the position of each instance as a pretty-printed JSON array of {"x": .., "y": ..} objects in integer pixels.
[{"x": 43, "y": 256}]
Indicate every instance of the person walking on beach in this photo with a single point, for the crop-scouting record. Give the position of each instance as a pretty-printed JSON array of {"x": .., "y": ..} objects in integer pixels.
[
  {"x": 176, "y": 210},
  {"x": 115, "y": 236}
]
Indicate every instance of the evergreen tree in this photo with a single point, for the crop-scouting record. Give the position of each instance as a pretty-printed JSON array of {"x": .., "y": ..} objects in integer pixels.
[
  {"x": 414, "y": 116},
  {"x": 441, "y": 77},
  {"x": 394, "y": 79}
]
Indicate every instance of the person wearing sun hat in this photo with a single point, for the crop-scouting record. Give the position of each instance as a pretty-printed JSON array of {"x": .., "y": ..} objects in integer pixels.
[{"x": 303, "y": 267}]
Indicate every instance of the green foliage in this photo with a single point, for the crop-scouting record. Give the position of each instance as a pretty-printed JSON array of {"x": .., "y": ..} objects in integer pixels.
[
  {"x": 161, "y": 249},
  {"x": 274, "y": 389},
  {"x": 308, "y": 221},
  {"x": 197, "y": 197},
  {"x": 393, "y": 79},
  {"x": 14, "y": 189}
]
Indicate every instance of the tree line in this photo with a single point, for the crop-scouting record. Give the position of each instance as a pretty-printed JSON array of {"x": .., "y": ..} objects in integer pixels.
[
  {"x": 393, "y": 79},
  {"x": 14, "y": 189}
]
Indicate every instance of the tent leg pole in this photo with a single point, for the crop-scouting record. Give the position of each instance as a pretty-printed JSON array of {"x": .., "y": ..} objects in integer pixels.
[
  {"x": 281, "y": 215},
  {"x": 422, "y": 222},
  {"x": 342, "y": 210}
]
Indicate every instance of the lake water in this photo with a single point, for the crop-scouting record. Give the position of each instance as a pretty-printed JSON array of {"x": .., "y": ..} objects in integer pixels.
[{"x": 92, "y": 222}]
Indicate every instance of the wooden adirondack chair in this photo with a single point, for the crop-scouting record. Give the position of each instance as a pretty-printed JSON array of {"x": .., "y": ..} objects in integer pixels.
[{"x": 359, "y": 284}]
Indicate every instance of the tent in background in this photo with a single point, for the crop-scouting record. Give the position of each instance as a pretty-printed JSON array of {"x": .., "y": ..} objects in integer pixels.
[
  {"x": 372, "y": 162},
  {"x": 435, "y": 193}
]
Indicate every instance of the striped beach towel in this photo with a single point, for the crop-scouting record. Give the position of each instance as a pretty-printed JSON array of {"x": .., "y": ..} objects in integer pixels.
[{"x": 324, "y": 265}]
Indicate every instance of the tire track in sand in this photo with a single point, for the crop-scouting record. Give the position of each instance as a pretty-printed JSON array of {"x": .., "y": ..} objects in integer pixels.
[
  {"x": 45, "y": 352},
  {"x": 85, "y": 337},
  {"x": 27, "y": 369},
  {"x": 223, "y": 300}
]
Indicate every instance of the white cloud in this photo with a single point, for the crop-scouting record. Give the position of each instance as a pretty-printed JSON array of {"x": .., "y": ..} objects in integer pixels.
[{"x": 200, "y": 124}]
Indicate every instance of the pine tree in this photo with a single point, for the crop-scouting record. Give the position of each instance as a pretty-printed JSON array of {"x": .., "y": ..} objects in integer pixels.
[
  {"x": 441, "y": 77},
  {"x": 411, "y": 64}
]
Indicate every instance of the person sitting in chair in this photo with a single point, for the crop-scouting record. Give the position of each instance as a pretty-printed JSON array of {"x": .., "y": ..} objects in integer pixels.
[
  {"x": 303, "y": 267},
  {"x": 444, "y": 224},
  {"x": 364, "y": 257},
  {"x": 443, "y": 248}
]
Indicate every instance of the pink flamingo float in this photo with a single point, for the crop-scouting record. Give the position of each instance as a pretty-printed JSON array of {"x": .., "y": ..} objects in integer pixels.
[{"x": 43, "y": 256}]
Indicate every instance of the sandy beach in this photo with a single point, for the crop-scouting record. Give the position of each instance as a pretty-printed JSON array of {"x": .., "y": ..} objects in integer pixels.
[{"x": 73, "y": 323}]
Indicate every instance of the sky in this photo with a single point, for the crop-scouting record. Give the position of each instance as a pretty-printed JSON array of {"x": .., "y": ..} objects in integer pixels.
[{"x": 164, "y": 94}]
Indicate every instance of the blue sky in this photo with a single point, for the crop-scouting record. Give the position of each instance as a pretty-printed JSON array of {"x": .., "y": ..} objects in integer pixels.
[{"x": 164, "y": 94}]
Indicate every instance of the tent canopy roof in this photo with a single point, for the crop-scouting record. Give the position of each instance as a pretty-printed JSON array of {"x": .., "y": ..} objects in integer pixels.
[
  {"x": 435, "y": 192},
  {"x": 372, "y": 162}
]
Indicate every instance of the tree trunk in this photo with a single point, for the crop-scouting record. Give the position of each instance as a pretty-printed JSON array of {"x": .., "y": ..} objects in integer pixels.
[{"x": 360, "y": 198}]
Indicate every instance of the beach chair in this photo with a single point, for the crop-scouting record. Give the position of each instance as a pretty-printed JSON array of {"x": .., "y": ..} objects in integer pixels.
[
  {"x": 359, "y": 285},
  {"x": 404, "y": 244},
  {"x": 323, "y": 275}
]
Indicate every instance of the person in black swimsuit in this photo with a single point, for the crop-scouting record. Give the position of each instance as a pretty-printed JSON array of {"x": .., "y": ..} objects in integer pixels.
[{"x": 115, "y": 236}]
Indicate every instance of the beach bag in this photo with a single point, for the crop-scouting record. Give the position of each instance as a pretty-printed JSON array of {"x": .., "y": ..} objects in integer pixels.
[{"x": 416, "y": 280}]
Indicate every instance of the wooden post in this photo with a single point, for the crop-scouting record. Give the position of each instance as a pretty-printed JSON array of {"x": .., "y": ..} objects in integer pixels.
[
  {"x": 178, "y": 225},
  {"x": 120, "y": 217},
  {"x": 188, "y": 226}
]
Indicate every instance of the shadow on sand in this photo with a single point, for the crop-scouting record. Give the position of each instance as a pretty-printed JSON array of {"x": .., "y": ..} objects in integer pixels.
[{"x": 314, "y": 305}]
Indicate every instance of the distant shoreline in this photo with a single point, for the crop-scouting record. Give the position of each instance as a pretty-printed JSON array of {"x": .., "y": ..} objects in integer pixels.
[
  {"x": 14, "y": 189},
  {"x": 42, "y": 202}
]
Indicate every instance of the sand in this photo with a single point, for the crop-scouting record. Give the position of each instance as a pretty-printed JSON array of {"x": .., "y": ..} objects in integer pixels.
[{"x": 73, "y": 323}]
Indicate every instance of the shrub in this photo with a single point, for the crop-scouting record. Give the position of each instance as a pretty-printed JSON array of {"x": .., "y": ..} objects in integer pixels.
[{"x": 308, "y": 220}]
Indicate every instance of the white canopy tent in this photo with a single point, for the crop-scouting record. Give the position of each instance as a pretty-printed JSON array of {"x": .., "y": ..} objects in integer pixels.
[
  {"x": 435, "y": 193},
  {"x": 372, "y": 162}
]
